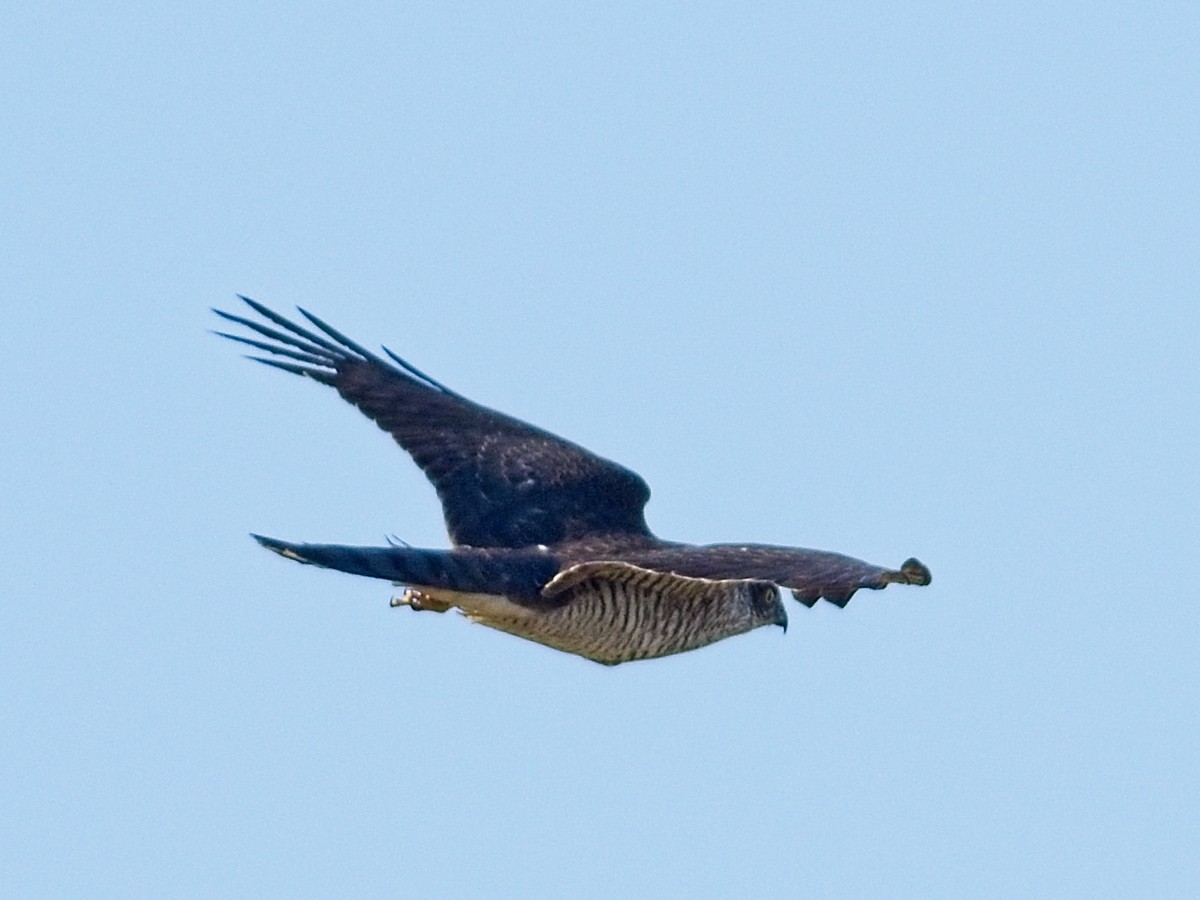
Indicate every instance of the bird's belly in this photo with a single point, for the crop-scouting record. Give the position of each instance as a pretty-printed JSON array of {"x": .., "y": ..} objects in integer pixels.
[{"x": 609, "y": 625}]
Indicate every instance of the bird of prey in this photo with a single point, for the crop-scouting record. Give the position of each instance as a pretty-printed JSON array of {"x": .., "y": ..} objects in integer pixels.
[{"x": 549, "y": 540}]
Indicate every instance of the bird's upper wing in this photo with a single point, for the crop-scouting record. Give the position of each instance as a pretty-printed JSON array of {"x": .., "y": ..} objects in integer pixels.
[{"x": 502, "y": 482}]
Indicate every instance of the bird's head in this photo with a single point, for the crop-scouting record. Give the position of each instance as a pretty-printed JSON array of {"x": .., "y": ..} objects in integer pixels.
[{"x": 766, "y": 604}]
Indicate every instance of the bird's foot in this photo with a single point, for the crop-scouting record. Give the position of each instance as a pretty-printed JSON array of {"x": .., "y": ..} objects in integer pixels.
[{"x": 414, "y": 599}]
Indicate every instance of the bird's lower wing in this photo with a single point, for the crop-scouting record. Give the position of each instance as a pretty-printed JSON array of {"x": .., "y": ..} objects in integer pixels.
[
  {"x": 514, "y": 573},
  {"x": 811, "y": 575},
  {"x": 671, "y": 586}
]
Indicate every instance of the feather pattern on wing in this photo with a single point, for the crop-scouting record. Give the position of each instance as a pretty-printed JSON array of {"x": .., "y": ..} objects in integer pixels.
[{"x": 502, "y": 482}]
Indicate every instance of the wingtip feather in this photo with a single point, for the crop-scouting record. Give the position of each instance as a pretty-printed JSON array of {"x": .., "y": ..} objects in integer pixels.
[
  {"x": 339, "y": 337},
  {"x": 283, "y": 548},
  {"x": 915, "y": 572}
]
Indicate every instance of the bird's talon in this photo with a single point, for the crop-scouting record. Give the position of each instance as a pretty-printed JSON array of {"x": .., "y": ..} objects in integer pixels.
[{"x": 420, "y": 602}]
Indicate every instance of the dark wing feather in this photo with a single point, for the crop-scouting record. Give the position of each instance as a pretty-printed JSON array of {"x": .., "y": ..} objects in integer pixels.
[
  {"x": 516, "y": 573},
  {"x": 811, "y": 575},
  {"x": 502, "y": 482}
]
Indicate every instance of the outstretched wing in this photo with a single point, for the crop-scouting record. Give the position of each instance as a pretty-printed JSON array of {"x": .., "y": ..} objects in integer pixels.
[
  {"x": 811, "y": 575},
  {"x": 517, "y": 573},
  {"x": 502, "y": 482}
]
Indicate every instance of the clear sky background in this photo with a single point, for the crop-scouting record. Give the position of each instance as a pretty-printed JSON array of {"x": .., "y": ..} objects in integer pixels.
[{"x": 893, "y": 281}]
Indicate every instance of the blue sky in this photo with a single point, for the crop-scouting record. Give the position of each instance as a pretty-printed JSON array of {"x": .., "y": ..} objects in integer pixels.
[{"x": 889, "y": 281}]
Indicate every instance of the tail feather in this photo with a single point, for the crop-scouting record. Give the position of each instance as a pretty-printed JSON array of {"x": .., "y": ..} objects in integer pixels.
[{"x": 513, "y": 573}]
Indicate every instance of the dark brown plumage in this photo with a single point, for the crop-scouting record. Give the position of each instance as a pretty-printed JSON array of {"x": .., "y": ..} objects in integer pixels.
[{"x": 550, "y": 540}]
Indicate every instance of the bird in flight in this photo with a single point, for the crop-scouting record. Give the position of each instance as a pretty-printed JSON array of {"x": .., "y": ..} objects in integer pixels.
[{"x": 550, "y": 542}]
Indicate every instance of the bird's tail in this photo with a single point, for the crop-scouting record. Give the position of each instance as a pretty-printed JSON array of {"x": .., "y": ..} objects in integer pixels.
[{"x": 514, "y": 573}]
